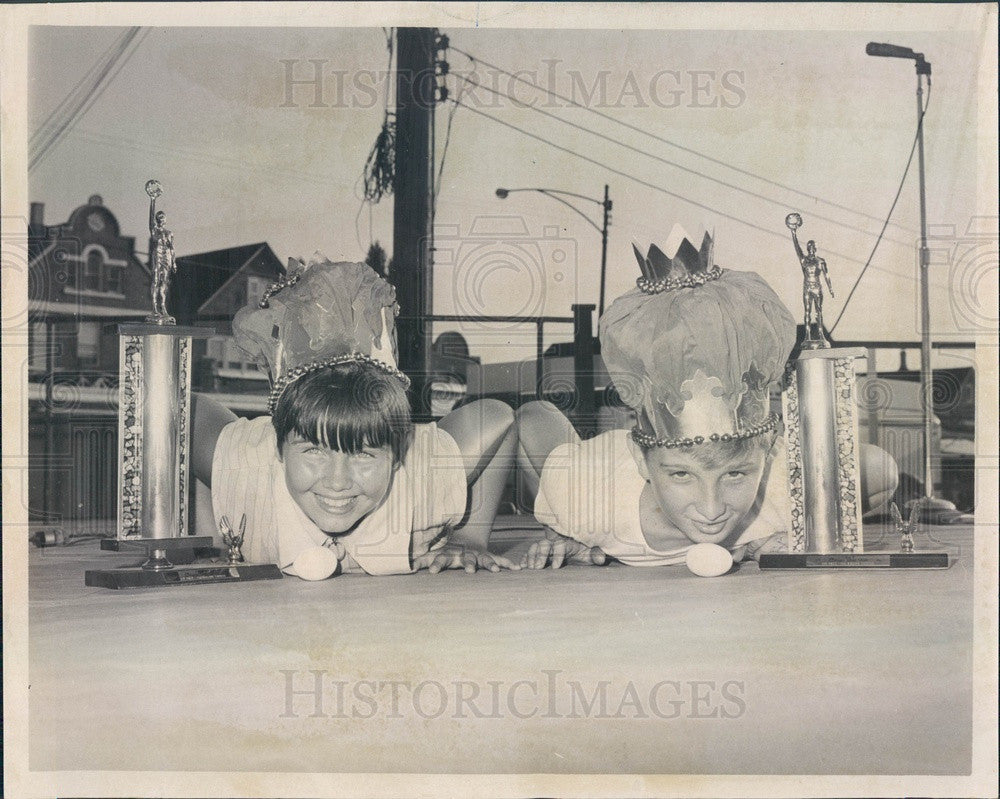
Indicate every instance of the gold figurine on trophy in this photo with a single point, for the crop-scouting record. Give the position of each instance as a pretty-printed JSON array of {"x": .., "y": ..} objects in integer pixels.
[
  {"x": 812, "y": 290},
  {"x": 162, "y": 261}
]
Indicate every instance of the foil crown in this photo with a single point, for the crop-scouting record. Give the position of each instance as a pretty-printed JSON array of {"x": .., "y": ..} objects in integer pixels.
[
  {"x": 320, "y": 314},
  {"x": 694, "y": 349},
  {"x": 689, "y": 266}
]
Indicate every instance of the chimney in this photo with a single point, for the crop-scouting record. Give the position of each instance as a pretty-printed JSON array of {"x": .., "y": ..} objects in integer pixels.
[{"x": 37, "y": 217}]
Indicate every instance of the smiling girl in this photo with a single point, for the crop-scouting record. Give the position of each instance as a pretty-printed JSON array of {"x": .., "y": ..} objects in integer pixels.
[{"x": 337, "y": 477}]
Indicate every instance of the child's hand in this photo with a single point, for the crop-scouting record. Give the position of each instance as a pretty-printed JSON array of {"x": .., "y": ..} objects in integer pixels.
[
  {"x": 555, "y": 550},
  {"x": 456, "y": 556}
]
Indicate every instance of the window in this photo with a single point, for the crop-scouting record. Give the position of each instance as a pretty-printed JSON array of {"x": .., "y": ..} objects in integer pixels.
[
  {"x": 70, "y": 268},
  {"x": 92, "y": 271},
  {"x": 256, "y": 286},
  {"x": 87, "y": 343},
  {"x": 113, "y": 279}
]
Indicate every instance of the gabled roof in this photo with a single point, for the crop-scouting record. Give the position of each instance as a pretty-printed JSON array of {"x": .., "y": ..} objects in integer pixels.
[{"x": 201, "y": 277}]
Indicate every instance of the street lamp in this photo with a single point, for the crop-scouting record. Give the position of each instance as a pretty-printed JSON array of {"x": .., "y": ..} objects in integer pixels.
[{"x": 558, "y": 194}]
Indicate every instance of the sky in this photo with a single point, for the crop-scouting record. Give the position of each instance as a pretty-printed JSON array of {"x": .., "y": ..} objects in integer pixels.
[{"x": 715, "y": 127}]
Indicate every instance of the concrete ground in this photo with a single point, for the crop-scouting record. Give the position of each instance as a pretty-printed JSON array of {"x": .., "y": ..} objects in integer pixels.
[{"x": 580, "y": 670}]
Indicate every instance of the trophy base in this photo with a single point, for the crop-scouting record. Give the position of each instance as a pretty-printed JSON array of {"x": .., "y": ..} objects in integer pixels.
[
  {"x": 855, "y": 560},
  {"x": 144, "y": 578},
  {"x": 178, "y": 551}
]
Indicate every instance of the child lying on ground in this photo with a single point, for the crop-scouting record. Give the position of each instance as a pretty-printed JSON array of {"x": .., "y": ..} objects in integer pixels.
[
  {"x": 337, "y": 477},
  {"x": 693, "y": 350}
]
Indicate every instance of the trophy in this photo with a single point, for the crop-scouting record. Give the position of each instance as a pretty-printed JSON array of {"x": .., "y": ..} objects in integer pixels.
[
  {"x": 821, "y": 438},
  {"x": 813, "y": 267},
  {"x": 154, "y": 413},
  {"x": 162, "y": 262},
  {"x": 234, "y": 540}
]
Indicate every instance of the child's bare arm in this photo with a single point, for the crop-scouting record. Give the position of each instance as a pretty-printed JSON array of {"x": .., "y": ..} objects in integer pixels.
[{"x": 208, "y": 417}]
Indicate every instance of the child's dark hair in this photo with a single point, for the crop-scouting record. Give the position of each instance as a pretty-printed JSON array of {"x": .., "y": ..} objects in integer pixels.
[{"x": 346, "y": 407}]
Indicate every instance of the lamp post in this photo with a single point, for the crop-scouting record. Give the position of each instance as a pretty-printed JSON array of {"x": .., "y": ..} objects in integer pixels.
[{"x": 558, "y": 194}]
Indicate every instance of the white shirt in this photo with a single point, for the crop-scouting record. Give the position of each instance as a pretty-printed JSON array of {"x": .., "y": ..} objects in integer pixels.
[
  {"x": 427, "y": 495},
  {"x": 590, "y": 492}
]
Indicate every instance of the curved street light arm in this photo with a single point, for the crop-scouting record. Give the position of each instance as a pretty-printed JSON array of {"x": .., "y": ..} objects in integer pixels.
[{"x": 570, "y": 205}]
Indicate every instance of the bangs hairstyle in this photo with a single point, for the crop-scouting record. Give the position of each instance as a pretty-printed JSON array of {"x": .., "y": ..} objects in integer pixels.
[{"x": 346, "y": 407}]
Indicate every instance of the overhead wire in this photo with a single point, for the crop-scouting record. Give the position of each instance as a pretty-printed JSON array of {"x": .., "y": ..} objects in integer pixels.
[
  {"x": 379, "y": 171},
  {"x": 902, "y": 181},
  {"x": 663, "y": 140},
  {"x": 668, "y": 162},
  {"x": 657, "y": 188},
  {"x": 444, "y": 152},
  {"x": 75, "y": 109},
  {"x": 53, "y": 114}
]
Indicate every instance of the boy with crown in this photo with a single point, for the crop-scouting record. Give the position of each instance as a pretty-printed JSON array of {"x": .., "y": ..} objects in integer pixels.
[
  {"x": 694, "y": 350},
  {"x": 337, "y": 477}
]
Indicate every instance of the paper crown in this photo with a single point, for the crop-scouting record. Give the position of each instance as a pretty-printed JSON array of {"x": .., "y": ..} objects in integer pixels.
[
  {"x": 320, "y": 314},
  {"x": 694, "y": 348}
]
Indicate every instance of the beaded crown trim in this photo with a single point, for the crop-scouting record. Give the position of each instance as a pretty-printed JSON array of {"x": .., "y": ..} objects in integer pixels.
[
  {"x": 646, "y": 440},
  {"x": 274, "y": 288},
  {"x": 300, "y": 371},
  {"x": 690, "y": 281}
]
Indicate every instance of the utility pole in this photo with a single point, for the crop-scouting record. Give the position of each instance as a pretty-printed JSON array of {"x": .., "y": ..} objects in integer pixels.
[{"x": 413, "y": 187}]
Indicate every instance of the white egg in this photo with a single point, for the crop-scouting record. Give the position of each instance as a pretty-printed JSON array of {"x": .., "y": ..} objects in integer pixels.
[
  {"x": 315, "y": 563},
  {"x": 708, "y": 560}
]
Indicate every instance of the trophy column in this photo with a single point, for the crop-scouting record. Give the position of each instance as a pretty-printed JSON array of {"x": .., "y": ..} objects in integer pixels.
[
  {"x": 821, "y": 433},
  {"x": 153, "y": 435}
]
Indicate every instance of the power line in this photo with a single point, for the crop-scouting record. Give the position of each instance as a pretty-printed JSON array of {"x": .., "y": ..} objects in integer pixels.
[
  {"x": 906, "y": 171},
  {"x": 79, "y": 107},
  {"x": 192, "y": 154},
  {"x": 121, "y": 64},
  {"x": 663, "y": 140},
  {"x": 47, "y": 122},
  {"x": 444, "y": 152},
  {"x": 660, "y": 189},
  {"x": 672, "y": 163}
]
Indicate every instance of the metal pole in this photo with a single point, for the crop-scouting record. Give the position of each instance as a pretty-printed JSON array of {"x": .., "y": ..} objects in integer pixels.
[
  {"x": 50, "y": 438},
  {"x": 412, "y": 187},
  {"x": 604, "y": 251},
  {"x": 539, "y": 363},
  {"x": 583, "y": 365},
  {"x": 926, "y": 374}
]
